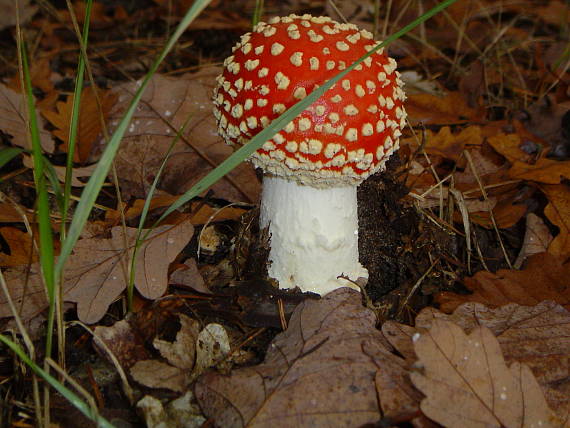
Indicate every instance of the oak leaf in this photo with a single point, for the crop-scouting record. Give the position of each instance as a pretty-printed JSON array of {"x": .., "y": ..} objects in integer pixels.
[
  {"x": 96, "y": 273},
  {"x": 89, "y": 127},
  {"x": 321, "y": 371},
  {"x": 545, "y": 277},
  {"x": 167, "y": 104},
  {"x": 467, "y": 382},
  {"x": 451, "y": 145},
  {"x": 535, "y": 335},
  {"x": 13, "y": 113}
]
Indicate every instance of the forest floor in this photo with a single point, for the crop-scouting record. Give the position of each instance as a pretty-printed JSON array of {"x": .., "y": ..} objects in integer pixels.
[{"x": 466, "y": 234}]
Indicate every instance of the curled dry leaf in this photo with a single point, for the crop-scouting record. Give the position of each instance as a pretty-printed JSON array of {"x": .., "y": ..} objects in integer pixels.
[
  {"x": 96, "y": 274},
  {"x": 537, "y": 237},
  {"x": 13, "y": 111},
  {"x": 212, "y": 347},
  {"x": 187, "y": 357},
  {"x": 320, "y": 372},
  {"x": 470, "y": 372},
  {"x": 181, "y": 412},
  {"x": 167, "y": 104},
  {"x": 558, "y": 212},
  {"x": 518, "y": 286},
  {"x": 181, "y": 352}
]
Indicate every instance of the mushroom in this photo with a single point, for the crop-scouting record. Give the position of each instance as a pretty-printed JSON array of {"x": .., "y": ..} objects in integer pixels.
[{"x": 313, "y": 166}]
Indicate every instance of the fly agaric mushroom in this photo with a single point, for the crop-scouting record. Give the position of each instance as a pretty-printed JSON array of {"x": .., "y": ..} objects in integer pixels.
[{"x": 313, "y": 166}]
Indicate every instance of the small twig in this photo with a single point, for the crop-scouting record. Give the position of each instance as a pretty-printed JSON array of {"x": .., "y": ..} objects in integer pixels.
[{"x": 282, "y": 318}]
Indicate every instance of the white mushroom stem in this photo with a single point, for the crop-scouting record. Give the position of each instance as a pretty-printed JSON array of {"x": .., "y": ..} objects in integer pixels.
[{"x": 314, "y": 235}]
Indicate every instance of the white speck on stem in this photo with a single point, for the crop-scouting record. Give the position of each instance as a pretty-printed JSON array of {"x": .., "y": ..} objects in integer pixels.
[
  {"x": 114, "y": 277},
  {"x": 167, "y": 113},
  {"x": 503, "y": 396},
  {"x": 415, "y": 337},
  {"x": 170, "y": 240}
]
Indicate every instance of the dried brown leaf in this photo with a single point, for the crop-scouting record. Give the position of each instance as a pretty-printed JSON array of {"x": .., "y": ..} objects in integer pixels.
[
  {"x": 156, "y": 374},
  {"x": 26, "y": 291},
  {"x": 451, "y": 145},
  {"x": 525, "y": 166},
  {"x": 11, "y": 213},
  {"x": 427, "y": 108},
  {"x": 13, "y": 114},
  {"x": 320, "y": 372},
  {"x": 182, "y": 352},
  {"x": 89, "y": 127},
  {"x": 469, "y": 370},
  {"x": 537, "y": 238},
  {"x": 543, "y": 171},
  {"x": 535, "y": 335},
  {"x": 97, "y": 272},
  {"x": 558, "y": 212},
  {"x": 123, "y": 341},
  {"x": 400, "y": 337},
  {"x": 516, "y": 286},
  {"x": 21, "y": 247},
  {"x": 167, "y": 104},
  {"x": 508, "y": 145},
  {"x": 188, "y": 275}
]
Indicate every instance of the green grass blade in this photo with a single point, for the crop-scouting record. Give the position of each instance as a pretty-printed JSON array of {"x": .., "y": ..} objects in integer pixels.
[
  {"x": 257, "y": 12},
  {"x": 278, "y": 124},
  {"x": 8, "y": 154},
  {"x": 74, "y": 123},
  {"x": 54, "y": 182},
  {"x": 95, "y": 183},
  {"x": 77, "y": 402},
  {"x": 46, "y": 234}
]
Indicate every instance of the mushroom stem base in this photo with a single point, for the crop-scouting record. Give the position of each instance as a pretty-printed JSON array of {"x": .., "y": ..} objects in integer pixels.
[{"x": 314, "y": 235}]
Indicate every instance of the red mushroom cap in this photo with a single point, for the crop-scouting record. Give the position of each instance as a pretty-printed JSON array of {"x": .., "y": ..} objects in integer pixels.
[{"x": 341, "y": 139}]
